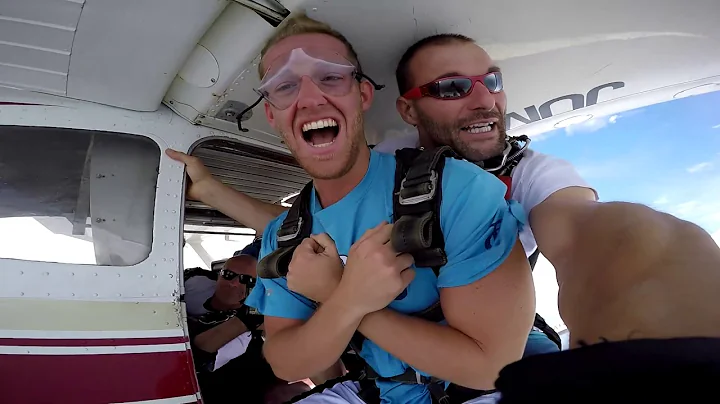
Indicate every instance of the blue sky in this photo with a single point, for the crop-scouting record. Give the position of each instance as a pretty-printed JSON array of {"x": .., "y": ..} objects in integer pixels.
[{"x": 666, "y": 156}]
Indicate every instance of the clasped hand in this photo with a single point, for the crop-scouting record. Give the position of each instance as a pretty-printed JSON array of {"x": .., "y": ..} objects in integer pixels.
[{"x": 375, "y": 274}]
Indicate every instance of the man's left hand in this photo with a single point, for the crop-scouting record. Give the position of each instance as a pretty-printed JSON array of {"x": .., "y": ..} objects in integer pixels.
[{"x": 315, "y": 269}]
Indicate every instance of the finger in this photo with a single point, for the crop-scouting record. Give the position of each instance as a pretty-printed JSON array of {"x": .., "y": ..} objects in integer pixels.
[
  {"x": 325, "y": 243},
  {"x": 382, "y": 235},
  {"x": 308, "y": 246},
  {"x": 407, "y": 276},
  {"x": 404, "y": 261},
  {"x": 177, "y": 156},
  {"x": 371, "y": 232}
]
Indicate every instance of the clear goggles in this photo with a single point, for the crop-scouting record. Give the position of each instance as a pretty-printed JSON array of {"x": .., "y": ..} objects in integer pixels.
[{"x": 331, "y": 72}]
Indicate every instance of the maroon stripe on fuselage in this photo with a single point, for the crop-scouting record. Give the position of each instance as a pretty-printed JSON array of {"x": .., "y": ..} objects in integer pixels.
[
  {"x": 91, "y": 342},
  {"x": 94, "y": 379}
]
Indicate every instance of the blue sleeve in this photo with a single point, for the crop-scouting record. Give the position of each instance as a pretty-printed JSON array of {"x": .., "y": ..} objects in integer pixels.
[
  {"x": 271, "y": 297},
  {"x": 480, "y": 227}
]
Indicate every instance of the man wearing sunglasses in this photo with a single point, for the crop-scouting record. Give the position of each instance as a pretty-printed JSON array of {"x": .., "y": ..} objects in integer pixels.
[
  {"x": 617, "y": 282},
  {"x": 227, "y": 350},
  {"x": 316, "y": 95}
]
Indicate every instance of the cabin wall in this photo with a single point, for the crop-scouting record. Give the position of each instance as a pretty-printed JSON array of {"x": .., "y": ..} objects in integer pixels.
[{"x": 65, "y": 322}]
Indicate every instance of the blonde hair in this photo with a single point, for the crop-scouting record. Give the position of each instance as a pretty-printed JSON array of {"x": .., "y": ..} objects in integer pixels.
[{"x": 302, "y": 24}]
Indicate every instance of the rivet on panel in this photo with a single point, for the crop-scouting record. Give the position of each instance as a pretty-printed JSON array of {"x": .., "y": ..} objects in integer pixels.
[
  {"x": 140, "y": 276},
  {"x": 22, "y": 294},
  {"x": 172, "y": 259},
  {"x": 95, "y": 294},
  {"x": 172, "y": 228},
  {"x": 119, "y": 294},
  {"x": 154, "y": 311},
  {"x": 22, "y": 273},
  {"x": 118, "y": 275},
  {"x": 154, "y": 276},
  {"x": 172, "y": 244},
  {"x": 48, "y": 294},
  {"x": 171, "y": 275},
  {"x": 72, "y": 273},
  {"x": 72, "y": 294},
  {"x": 95, "y": 274}
]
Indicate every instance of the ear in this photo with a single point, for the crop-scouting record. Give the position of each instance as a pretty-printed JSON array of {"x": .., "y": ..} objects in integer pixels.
[
  {"x": 269, "y": 114},
  {"x": 367, "y": 93},
  {"x": 406, "y": 109}
]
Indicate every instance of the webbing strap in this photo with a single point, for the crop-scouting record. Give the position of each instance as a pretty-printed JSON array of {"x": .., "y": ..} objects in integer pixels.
[
  {"x": 294, "y": 229},
  {"x": 416, "y": 205}
]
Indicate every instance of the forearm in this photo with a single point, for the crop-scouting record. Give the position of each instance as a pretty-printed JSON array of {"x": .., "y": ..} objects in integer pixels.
[
  {"x": 245, "y": 209},
  {"x": 642, "y": 273},
  {"x": 309, "y": 349},
  {"x": 435, "y": 349},
  {"x": 215, "y": 338}
]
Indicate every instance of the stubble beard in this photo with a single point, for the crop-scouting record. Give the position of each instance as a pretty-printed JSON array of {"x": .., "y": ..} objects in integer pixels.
[{"x": 448, "y": 134}]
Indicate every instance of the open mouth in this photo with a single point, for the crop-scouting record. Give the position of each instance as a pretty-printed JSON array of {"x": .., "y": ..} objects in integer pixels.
[
  {"x": 483, "y": 127},
  {"x": 320, "y": 133}
]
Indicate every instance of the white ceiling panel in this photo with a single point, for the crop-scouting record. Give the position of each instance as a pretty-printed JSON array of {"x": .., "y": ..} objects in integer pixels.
[
  {"x": 45, "y": 81},
  {"x": 31, "y": 57},
  {"x": 61, "y": 13},
  {"x": 36, "y": 35}
]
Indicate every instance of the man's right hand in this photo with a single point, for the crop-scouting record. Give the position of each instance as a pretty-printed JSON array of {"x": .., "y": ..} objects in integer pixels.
[
  {"x": 201, "y": 180},
  {"x": 375, "y": 274}
]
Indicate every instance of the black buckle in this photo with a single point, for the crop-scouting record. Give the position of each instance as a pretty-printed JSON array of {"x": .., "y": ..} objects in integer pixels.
[
  {"x": 294, "y": 229},
  {"x": 416, "y": 191}
]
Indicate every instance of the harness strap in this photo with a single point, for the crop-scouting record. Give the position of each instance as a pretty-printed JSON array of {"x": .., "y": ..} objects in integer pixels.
[
  {"x": 416, "y": 205},
  {"x": 294, "y": 229}
]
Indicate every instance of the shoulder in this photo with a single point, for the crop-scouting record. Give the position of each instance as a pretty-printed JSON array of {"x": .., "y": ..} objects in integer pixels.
[
  {"x": 534, "y": 161},
  {"x": 269, "y": 237},
  {"x": 407, "y": 140},
  {"x": 461, "y": 176}
]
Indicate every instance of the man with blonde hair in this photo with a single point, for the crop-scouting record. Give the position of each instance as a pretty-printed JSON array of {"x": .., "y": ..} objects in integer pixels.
[{"x": 635, "y": 280}]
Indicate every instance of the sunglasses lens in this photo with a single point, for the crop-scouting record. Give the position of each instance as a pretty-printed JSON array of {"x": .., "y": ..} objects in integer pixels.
[
  {"x": 493, "y": 82},
  {"x": 228, "y": 275},
  {"x": 452, "y": 88}
]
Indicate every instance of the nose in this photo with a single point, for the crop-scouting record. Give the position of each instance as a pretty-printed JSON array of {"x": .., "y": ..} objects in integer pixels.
[
  {"x": 481, "y": 98},
  {"x": 309, "y": 94}
]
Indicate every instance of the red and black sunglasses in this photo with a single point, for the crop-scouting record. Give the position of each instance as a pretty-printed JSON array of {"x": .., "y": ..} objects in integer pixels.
[{"x": 456, "y": 87}]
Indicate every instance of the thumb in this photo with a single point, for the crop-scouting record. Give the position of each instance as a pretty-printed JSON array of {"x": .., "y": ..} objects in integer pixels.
[
  {"x": 325, "y": 243},
  {"x": 407, "y": 276}
]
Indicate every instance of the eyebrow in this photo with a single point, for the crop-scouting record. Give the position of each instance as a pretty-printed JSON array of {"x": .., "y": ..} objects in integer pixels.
[{"x": 491, "y": 69}]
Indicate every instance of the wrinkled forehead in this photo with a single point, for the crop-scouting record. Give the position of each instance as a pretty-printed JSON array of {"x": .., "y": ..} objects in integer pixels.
[{"x": 300, "y": 61}]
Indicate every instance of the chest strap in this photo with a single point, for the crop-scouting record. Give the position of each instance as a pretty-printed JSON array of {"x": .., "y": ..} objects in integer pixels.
[{"x": 294, "y": 229}]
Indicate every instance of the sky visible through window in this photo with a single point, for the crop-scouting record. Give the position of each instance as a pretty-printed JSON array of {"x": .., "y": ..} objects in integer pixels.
[{"x": 666, "y": 156}]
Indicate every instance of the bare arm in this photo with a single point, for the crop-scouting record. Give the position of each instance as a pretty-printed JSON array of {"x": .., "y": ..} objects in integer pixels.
[
  {"x": 297, "y": 350},
  {"x": 203, "y": 187},
  {"x": 488, "y": 324},
  {"x": 215, "y": 338},
  {"x": 627, "y": 271},
  {"x": 246, "y": 210}
]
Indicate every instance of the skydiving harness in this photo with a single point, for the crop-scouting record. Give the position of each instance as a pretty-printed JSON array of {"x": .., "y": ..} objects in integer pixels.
[{"x": 417, "y": 198}]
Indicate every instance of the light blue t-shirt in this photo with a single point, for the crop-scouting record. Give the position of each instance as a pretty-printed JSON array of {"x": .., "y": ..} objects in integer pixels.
[{"x": 480, "y": 229}]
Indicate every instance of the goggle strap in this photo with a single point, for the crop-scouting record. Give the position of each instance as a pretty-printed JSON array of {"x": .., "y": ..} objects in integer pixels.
[{"x": 245, "y": 111}]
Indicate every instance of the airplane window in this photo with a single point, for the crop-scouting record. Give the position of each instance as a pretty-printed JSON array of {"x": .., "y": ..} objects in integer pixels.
[{"x": 76, "y": 196}]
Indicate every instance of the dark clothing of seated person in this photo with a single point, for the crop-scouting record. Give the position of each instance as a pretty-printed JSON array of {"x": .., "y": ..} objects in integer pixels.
[{"x": 226, "y": 342}]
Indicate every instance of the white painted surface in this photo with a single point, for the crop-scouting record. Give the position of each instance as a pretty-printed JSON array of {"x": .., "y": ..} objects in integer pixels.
[{"x": 126, "y": 53}]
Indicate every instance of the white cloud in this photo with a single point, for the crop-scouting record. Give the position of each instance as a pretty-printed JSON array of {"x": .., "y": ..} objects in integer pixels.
[
  {"x": 700, "y": 167},
  {"x": 716, "y": 126},
  {"x": 663, "y": 200},
  {"x": 590, "y": 126},
  {"x": 613, "y": 119},
  {"x": 716, "y": 237}
]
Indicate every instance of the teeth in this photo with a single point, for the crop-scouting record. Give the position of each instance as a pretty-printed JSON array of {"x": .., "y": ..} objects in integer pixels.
[
  {"x": 323, "y": 144},
  {"x": 479, "y": 127},
  {"x": 319, "y": 124}
]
